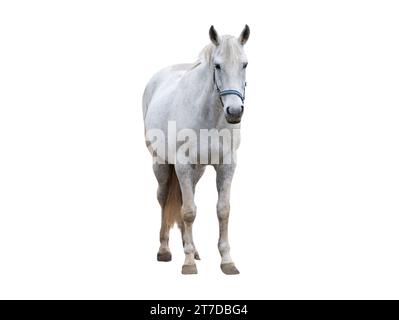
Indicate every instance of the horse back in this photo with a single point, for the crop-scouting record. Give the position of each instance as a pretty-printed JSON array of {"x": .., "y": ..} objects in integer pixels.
[{"x": 163, "y": 83}]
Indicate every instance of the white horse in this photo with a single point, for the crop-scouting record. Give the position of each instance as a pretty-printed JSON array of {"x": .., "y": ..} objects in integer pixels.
[{"x": 207, "y": 94}]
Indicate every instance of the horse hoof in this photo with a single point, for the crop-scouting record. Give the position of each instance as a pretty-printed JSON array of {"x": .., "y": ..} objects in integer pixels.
[
  {"x": 164, "y": 256},
  {"x": 189, "y": 269},
  {"x": 196, "y": 256},
  {"x": 229, "y": 268}
]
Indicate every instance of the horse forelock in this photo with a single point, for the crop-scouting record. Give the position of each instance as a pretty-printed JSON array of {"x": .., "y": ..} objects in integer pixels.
[{"x": 229, "y": 49}]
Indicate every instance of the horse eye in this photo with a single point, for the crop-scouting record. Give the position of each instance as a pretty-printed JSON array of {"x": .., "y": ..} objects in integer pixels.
[
  {"x": 217, "y": 66},
  {"x": 245, "y": 65}
]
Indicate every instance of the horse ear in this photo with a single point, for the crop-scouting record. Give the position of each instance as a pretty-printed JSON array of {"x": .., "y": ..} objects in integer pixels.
[
  {"x": 243, "y": 38},
  {"x": 213, "y": 35}
]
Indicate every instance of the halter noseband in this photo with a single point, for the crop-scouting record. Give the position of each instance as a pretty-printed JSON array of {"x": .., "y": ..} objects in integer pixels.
[{"x": 228, "y": 91}]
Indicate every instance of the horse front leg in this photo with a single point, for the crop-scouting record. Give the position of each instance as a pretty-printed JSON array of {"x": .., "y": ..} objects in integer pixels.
[
  {"x": 224, "y": 176},
  {"x": 188, "y": 176}
]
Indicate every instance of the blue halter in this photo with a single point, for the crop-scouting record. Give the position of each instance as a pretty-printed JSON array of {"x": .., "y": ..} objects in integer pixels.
[
  {"x": 228, "y": 91},
  {"x": 232, "y": 91}
]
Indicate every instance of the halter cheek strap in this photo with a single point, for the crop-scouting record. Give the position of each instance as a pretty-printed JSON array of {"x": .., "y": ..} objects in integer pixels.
[{"x": 228, "y": 91}]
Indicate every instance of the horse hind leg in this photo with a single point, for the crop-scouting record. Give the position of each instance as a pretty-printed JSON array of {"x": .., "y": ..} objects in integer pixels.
[
  {"x": 164, "y": 253},
  {"x": 162, "y": 173}
]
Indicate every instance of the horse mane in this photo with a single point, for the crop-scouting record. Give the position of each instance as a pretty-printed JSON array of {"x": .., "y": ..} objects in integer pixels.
[{"x": 206, "y": 54}]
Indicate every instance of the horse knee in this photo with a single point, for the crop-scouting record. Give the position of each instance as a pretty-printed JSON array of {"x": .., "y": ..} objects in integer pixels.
[
  {"x": 223, "y": 211},
  {"x": 223, "y": 246},
  {"x": 189, "y": 213}
]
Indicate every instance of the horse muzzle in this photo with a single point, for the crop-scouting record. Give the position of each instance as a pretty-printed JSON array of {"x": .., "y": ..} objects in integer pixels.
[{"x": 233, "y": 114}]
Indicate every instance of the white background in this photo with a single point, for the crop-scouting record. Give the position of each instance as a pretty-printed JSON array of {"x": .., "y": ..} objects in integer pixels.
[{"x": 315, "y": 197}]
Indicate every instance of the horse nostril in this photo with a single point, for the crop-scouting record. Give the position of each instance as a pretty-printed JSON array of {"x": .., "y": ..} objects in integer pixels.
[
  {"x": 242, "y": 108},
  {"x": 228, "y": 111}
]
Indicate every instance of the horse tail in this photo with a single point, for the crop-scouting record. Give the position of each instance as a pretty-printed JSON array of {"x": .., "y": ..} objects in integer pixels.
[{"x": 173, "y": 201}]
